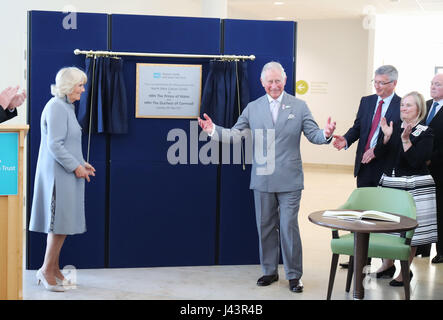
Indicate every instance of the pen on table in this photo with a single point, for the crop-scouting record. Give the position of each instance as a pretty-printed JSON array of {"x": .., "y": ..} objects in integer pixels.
[{"x": 349, "y": 219}]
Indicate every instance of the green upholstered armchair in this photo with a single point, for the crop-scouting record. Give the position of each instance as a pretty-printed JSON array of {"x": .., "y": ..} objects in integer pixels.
[{"x": 381, "y": 245}]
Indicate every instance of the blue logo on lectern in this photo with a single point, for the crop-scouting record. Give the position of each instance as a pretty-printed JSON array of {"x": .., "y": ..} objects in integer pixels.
[{"x": 8, "y": 163}]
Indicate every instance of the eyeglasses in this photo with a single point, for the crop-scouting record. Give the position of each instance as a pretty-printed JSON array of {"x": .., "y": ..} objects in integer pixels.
[{"x": 381, "y": 83}]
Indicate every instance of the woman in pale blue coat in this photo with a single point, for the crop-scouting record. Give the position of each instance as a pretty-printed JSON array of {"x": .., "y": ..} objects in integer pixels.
[{"x": 59, "y": 187}]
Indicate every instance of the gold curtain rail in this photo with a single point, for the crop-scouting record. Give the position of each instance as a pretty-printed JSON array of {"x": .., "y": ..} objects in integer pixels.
[{"x": 162, "y": 55}]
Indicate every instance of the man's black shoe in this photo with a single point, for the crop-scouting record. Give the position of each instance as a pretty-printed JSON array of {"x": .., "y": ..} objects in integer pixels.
[
  {"x": 437, "y": 259},
  {"x": 267, "y": 280},
  {"x": 295, "y": 285}
]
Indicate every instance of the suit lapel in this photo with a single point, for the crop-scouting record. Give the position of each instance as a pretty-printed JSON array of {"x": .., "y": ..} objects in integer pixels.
[
  {"x": 436, "y": 116},
  {"x": 390, "y": 110},
  {"x": 283, "y": 113},
  {"x": 369, "y": 115},
  {"x": 265, "y": 110},
  {"x": 428, "y": 106},
  {"x": 371, "y": 111}
]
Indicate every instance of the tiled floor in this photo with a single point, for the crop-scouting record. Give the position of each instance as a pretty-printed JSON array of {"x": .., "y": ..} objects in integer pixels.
[{"x": 324, "y": 188}]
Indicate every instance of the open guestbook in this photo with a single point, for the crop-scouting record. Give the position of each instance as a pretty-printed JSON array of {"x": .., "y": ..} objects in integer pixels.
[{"x": 369, "y": 214}]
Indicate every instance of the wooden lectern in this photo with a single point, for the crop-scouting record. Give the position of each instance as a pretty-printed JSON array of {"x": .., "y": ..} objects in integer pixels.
[{"x": 11, "y": 210}]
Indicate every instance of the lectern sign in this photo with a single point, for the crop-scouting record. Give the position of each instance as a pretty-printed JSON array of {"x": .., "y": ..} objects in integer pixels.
[{"x": 8, "y": 163}]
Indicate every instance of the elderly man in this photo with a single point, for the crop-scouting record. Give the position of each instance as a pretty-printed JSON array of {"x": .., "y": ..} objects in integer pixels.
[
  {"x": 434, "y": 119},
  {"x": 279, "y": 118},
  {"x": 9, "y": 101}
]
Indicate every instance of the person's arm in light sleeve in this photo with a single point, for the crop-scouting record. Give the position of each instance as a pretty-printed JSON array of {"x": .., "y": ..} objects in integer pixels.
[
  {"x": 220, "y": 133},
  {"x": 57, "y": 119}
]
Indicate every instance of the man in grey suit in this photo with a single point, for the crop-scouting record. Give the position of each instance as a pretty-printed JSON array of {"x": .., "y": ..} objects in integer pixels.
[{"x": 276, "y": 121}]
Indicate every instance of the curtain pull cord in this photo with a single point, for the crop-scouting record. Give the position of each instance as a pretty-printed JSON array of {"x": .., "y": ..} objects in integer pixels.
[
  {"x": 239, "y": 113},
  {"x": 90, "y": 107}
]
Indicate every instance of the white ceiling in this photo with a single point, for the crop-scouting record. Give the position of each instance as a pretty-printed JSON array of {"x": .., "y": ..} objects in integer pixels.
[{"x": 328, "y": 9}]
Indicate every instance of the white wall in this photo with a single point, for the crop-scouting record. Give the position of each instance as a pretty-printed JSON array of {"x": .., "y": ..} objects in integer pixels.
[
  {"x": 13, "y": 27},
  {"x": 13, "y": 33},
  {"x": 414, "y": 45},
  {"x": 331, "y": 51},
  {"x": 334, "y": 58}
]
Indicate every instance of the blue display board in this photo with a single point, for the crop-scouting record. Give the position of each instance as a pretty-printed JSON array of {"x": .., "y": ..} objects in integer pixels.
[
  {"x": 51, "y": 46},
  {"x": 142, "y": 211},
  {"x": 8, "y": 163},
  {"x": 160, "y": 214}
]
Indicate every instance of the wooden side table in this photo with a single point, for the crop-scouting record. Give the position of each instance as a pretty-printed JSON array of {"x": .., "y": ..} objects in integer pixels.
[{"x": 361, "y": 232}]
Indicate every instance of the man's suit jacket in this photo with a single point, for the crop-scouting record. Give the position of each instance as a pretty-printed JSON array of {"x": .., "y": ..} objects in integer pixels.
[
  {"x": 363, "y": 122},
  {"x": 294, "y": 117},
  {"x": 6, "y": 114},
  {"x": 436, "y": 125}
]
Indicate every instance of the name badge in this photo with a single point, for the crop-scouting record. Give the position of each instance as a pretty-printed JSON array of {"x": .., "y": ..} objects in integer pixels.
[{"x": 418, "y": 130}]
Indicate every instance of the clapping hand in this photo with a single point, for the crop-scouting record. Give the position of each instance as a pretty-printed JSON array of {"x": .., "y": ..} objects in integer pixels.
[
  {"x": 17, "y": 100},
  {"x": 7, "y": 95},
  {"x": 406, "y": 132},
  {"x": 387, "y": 129}
]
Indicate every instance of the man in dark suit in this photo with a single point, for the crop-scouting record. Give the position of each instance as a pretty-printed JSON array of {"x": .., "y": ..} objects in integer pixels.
[
  {"x": 384, "y": 103},
  {"x": 434, "y": 119},
  {"x": 9, "y": 101}
]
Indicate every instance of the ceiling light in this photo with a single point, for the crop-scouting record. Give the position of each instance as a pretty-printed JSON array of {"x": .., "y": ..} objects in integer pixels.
[{"x": 278, "y": 3}]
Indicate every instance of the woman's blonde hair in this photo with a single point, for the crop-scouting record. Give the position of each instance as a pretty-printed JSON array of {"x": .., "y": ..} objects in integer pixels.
[
  {"x": 65, "y": 81},
  {"x": 420, "y": 102}
]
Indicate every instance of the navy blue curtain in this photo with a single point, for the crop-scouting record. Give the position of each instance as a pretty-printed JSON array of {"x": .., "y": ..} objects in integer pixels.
[
  {"x": 105, "y": 92},
  {"x": 226, "y": 91},
  {"x": 225, "y": 95}
]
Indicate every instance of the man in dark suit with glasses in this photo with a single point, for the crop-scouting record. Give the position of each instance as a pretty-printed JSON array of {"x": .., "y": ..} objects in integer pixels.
[{"x": 384, "y": 103}]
